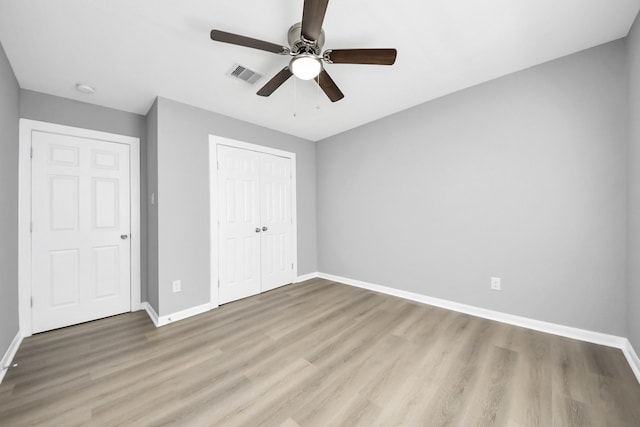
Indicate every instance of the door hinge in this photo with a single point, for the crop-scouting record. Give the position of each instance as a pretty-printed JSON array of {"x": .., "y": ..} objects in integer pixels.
[
  {"x": 31, "y": 302},
  {"x": 292, "y": 266},
  {"x": 30, "y": 226},
  {"x": 218, "y": 165},
  {"x": 31, "y": 152}
]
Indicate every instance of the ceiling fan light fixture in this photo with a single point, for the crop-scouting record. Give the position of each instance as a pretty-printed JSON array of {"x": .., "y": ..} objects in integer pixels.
[{"x": 305, "y": 66}]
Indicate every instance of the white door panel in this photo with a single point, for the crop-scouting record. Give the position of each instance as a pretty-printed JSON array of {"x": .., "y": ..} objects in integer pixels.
[
  {"x": 65, "y": 287},
  {"x": 255, "y": 223},
  {"x": 239, "y": 216},
  {"x": 275, "y": 211},
  {"x": 80, "y": 209}
]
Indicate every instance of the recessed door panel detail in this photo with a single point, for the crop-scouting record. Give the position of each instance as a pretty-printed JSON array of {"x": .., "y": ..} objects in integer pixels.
[
  {"x": 281, "y": 252},
  {"x": 247, "y": 202},
  {"x": 230, "y": 278},
  {"x": 81, "y": 266},
  {"x": 64, "y": 277},
  {"x": 63, "y": 155},
  {"x": 267, "y": 257},
  {"x": 276, "y": 255},
  {"x": 104, "y": 160},
  {"x": 105, "y": 202},
  {"x": 255, "y": 222},
  {"x": 231, "y": 201},
  {"x": 248, "y": 258},
  {"x": 277, "y": 202},
  {"x": 106, "y": 266},
  {"x": 240, "y": 255},
  {"x": 63, "y": 202}
]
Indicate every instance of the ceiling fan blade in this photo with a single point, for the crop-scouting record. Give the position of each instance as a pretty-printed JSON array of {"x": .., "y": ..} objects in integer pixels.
[
  {"x": 224, "y": 37},
  {"x": 312, "y": 17},
  {"x": 361, "y": 56},
  {"x": 275, "y": 82},
  {"x": 329, "y": 86}
]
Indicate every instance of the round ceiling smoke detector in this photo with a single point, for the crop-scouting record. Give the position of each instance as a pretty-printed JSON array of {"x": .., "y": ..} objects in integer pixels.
[{"x": 85, "y": 88}]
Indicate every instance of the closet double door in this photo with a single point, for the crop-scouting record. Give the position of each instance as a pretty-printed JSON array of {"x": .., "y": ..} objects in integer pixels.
[{"x": 255, "y": 222}]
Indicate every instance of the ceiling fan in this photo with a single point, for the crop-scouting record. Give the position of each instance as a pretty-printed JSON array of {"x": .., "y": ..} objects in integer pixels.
[{"x": 306, "y": 40}]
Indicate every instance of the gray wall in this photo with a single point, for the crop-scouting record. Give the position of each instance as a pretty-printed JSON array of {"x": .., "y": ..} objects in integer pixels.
[
  {"x": 152, "y": 220},
  {"x": 183, "y": 199},
  {"x": 9, "y": 107},
  {"x": 522, "y": 178},
  {"x": 54, "y": 109},
  {"x": 633, "y": 253}
]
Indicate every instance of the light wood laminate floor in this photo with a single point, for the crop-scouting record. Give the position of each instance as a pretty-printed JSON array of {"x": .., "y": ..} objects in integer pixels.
[{"x": 316, "y": 354}]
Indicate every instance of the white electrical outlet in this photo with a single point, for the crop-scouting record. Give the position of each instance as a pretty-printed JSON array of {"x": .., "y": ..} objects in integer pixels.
[
  {"x": 495, "y": 283},
  {"x": 177, "y": 286}
]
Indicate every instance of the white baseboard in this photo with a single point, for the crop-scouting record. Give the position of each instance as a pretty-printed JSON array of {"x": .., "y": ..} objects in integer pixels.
[
  {"x": 194, "y": 311},
  {"x": 306, "y": 277},
  {"x": 174, "y": 317},
  {"x": 150, "y": 312},
  {"x": 7, "y": 359},
  {"x": 632, "y": 358},
  {"x": 537, "y": 325}
]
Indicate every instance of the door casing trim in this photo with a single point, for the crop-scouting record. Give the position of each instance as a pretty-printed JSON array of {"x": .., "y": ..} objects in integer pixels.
[
  {"x": 214, "y": 141},
  {"x": 24, "y": 209}
]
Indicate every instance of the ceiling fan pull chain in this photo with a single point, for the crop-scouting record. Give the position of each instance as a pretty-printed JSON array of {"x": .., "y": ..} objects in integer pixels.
[
  {"x": 318, "y": 93},
  {"x": 295, "y": 99}
]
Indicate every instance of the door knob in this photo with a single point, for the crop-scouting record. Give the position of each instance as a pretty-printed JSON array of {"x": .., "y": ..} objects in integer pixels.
[
  {"x": 257, "y": 229},
  {"x": 264, "y": 228},
  {"x": 124, "y": 236}
]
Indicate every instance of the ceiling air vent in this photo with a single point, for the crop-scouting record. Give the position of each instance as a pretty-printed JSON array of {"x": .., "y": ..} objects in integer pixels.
[{"x": 243, "y": 73}]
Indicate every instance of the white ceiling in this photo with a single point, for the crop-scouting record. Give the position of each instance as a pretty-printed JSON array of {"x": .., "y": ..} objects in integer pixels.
[{"x": 134, "y": 50}]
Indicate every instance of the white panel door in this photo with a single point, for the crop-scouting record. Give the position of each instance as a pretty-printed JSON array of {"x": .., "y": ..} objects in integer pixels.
[
  {"x": 255, "y": 239},
  {"x": 277, "y": 225},
  {"x": 81, "y": 226},
  {"x": 239, "y": 228}
]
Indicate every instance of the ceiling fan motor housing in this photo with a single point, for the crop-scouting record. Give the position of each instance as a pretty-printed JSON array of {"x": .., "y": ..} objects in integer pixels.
[{"x": 300, "y": 45}]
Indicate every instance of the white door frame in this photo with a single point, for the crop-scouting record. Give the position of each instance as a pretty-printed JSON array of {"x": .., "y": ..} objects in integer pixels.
[
  {"x": 214, "y": 141},
  {"x": 24, "y": 209}
]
